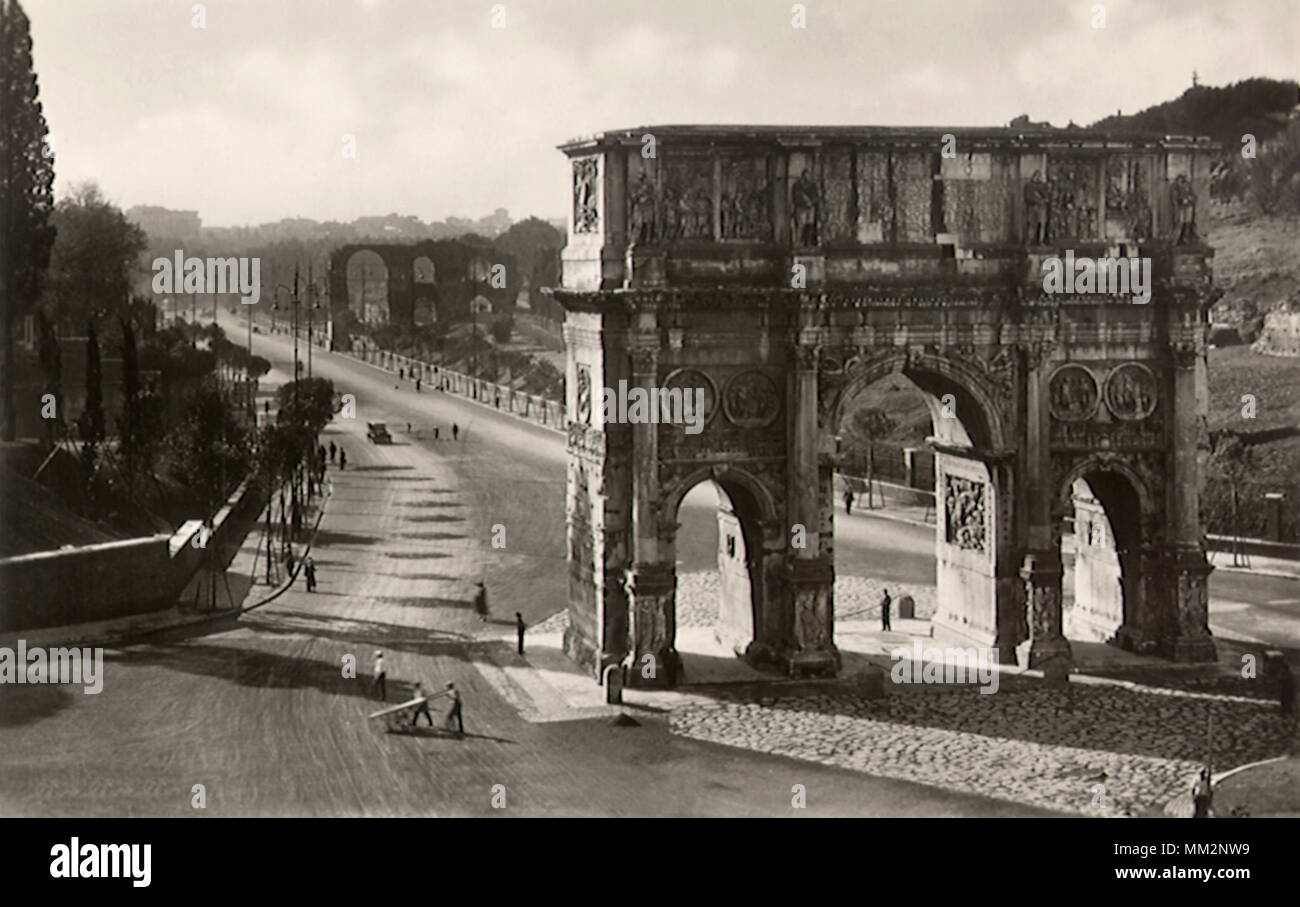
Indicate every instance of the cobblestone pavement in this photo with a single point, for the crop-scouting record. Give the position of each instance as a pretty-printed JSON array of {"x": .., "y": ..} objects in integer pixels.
[
  {"x": 1113, "y": 751},
  {"x": 1107, "y": 749}
]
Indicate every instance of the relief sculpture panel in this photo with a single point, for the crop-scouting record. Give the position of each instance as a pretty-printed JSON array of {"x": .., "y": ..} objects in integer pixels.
[
  {"x": 688, "y": 198},
  {"x": 964, "y": 522},
  {"x": 746, "y": 200}
]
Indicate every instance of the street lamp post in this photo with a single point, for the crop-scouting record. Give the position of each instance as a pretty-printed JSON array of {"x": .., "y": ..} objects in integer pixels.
[{"x": 477, "y": 273}]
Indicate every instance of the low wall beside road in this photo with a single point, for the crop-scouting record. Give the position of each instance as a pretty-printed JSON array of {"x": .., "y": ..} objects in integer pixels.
[
  {"x": 117, "y": 579},
  {"x": 530, "y": 407}
]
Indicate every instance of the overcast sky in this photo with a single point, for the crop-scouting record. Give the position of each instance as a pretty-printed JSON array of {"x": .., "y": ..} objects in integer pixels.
[{"x": 244, "y": 119}]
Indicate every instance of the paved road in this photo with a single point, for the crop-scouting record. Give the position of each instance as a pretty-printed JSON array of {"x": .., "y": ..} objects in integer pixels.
[{"x": 261, "y": 714}]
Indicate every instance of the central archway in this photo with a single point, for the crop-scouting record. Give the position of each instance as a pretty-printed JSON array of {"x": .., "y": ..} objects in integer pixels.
[{"x": 961, "y": 472}]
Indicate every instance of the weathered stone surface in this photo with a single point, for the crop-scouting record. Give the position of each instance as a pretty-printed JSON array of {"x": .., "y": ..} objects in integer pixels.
[{"x": 783, "y": 270}]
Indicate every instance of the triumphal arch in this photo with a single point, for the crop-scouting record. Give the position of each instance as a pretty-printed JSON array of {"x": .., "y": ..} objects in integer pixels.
[{"x": 778, "y": 271}]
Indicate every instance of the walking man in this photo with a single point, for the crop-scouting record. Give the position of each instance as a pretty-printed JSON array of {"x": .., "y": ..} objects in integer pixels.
[
  {"x": 309, "y": 567},
  {"x": 455, "y": 711},
  {"x": 520, "y": 626},
  {"x": 435, "y": 433},
  {"x": 423, "y": 707},
  {"x": 848, "y": 500},
  {"x": 480, "y": 602},
  {"x": 885, "y": 602},
  {"x": 455, "y": 432},
  {"x": 417, "y": 385},
  {"x": 333, "y": 451},
  {"x": 1202, "y": 795},
  {"x": 343, "y": 459},
  {"x": 381, "y": 677}
]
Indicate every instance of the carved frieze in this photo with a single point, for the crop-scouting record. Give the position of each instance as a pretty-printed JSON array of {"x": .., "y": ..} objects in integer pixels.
[
  {"x": 1093, "y": 435},
  {"x": 875, "y": 206},
  {"x": 688, "y": 197},
  {"x": 1131, "y": 392},
  {"x": 586, "y": 195},
  {"x": 1072, "y": 189},
  {"x": 750, "y": 400},
  {"x": 837, "y": 216},
  {"x": 1128, "y": 203},
  {"x": 746, "y": 200},
  {"x": 964, "y": 523},
  {"x": 1073, "y": 393}
]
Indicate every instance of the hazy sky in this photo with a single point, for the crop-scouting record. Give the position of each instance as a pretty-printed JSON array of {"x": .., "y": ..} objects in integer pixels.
[{"x": 244, "y": 119}]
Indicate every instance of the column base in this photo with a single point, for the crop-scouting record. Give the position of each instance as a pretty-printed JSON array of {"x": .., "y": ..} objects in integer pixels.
[
  {"x": 818, "y": 663},
  {"x": 653, "y": 662},
  {"x": 1194, "y": 650},
  {"x": 1048, "y": 651},
  {"x": 812, "y": 651}
]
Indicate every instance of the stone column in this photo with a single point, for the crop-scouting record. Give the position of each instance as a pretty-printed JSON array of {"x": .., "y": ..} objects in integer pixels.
[
  {"x": 1185, "y": 568},
  {"x": 810, "y": 577},
  {"x": 1041, "y": 569},
  {"x": 651, "y": 585}
]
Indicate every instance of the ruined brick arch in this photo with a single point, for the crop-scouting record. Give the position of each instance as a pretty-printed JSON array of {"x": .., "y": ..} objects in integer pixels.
[
  {"x": 979, "y": 402},
  {"x": 451, "y": 289}
]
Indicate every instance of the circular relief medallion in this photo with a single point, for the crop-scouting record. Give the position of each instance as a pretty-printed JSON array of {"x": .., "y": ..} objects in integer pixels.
[
  {"x": 1131, "y": 392},
  {"x": 693, "y": 381},
  {"x": 1073, "y": 393},
  {"x": 750, "y": 400}
]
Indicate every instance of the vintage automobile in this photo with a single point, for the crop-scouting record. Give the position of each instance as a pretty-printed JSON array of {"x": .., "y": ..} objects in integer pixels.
[{"x": 377, "y": 432}]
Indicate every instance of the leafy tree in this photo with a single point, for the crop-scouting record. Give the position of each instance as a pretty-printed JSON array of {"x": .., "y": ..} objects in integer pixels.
[
  {"x": 92, "y": 261},
  {"x": 307, "y": 402},
  {"x": 211, "y": 446},
  {"x": 258, "y": 366},
  {"x": 92, "y": 418},
  {"x": 533, "y": 243},
  {"x": 129, "y": 428},
  {"x": 51, "y": 357},
  {"x": 26, "y": 193},
  {"x": 1232, "y": 460}
]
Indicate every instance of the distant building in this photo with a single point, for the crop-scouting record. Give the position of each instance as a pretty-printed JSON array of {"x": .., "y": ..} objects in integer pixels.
[{"x": 164, "y": 223}]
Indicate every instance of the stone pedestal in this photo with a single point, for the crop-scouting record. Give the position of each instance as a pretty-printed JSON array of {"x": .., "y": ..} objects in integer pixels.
[
  {"x": 1186, "y": 582},
  {"x": 652, "y": 660},
  {"x": 812, "y": 651},
  {"x": 1048, "y": 647}
]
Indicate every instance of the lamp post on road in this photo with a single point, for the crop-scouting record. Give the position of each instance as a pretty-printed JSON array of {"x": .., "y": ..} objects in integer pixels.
[
  {"x": 274, "y": 307},
  {"x": 477, "y": 274}
]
